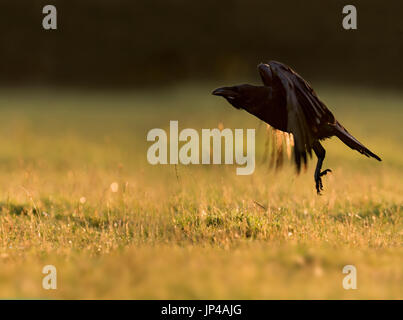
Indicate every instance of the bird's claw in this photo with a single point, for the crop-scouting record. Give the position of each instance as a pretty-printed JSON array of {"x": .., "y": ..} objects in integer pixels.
[
  {"x": 318, "y": 180},
  {"x": 324, "y": 172},
  {"x": 319, "y": 185}
]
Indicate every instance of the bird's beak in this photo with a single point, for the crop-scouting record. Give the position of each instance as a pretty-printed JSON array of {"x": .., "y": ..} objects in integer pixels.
[{"x": 225, "y": 92}]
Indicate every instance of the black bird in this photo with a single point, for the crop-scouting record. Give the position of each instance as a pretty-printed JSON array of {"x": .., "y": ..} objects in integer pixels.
[{"x": 288, "y": 103}]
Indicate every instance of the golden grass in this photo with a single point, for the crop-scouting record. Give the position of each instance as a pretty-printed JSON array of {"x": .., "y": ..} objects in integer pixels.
[{"x": 76, "y": 191}]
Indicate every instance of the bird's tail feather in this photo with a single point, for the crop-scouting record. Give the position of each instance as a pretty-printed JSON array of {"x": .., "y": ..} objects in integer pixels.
[{"x": 352, "y": 142}]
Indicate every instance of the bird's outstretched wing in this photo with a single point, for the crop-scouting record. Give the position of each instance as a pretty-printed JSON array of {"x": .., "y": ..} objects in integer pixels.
[
  {"x": 305, "y": 112},
  {"x": 278, "y": 146}
]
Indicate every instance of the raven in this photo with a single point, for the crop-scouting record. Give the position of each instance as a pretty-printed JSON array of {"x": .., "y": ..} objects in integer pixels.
[{"x": 288, "y": 103}]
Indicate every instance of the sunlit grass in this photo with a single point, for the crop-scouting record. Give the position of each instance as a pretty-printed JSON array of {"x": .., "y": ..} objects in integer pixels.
[{"x": 76, "y": 191}]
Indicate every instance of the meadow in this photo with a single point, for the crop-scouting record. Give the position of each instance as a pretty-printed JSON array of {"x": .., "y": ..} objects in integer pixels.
[{"x": 76, "y": 192}]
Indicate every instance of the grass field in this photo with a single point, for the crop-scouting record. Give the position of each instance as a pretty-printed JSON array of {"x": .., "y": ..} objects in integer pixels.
[{"x": 77, "y": 192}]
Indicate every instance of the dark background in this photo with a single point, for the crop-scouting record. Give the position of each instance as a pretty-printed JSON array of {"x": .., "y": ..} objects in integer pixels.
[{"x": 127, "y": 43}]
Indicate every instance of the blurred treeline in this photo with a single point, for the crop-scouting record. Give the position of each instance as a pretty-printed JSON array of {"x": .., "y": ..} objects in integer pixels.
[{"x": 124, "y": 43}]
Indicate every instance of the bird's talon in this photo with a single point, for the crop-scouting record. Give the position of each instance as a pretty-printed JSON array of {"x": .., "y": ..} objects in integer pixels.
[
  {"x": 324, "y": 172},
  {"x": 318, "y": 180},
  {"x": 319, "y": 186}
]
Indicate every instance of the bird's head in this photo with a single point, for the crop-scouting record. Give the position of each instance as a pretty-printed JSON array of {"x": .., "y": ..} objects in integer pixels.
[{"x": 243, "y": 96}]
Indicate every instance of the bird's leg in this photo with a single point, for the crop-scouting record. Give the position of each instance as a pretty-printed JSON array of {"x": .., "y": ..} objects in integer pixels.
[{"x": 320, "y": 153}]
